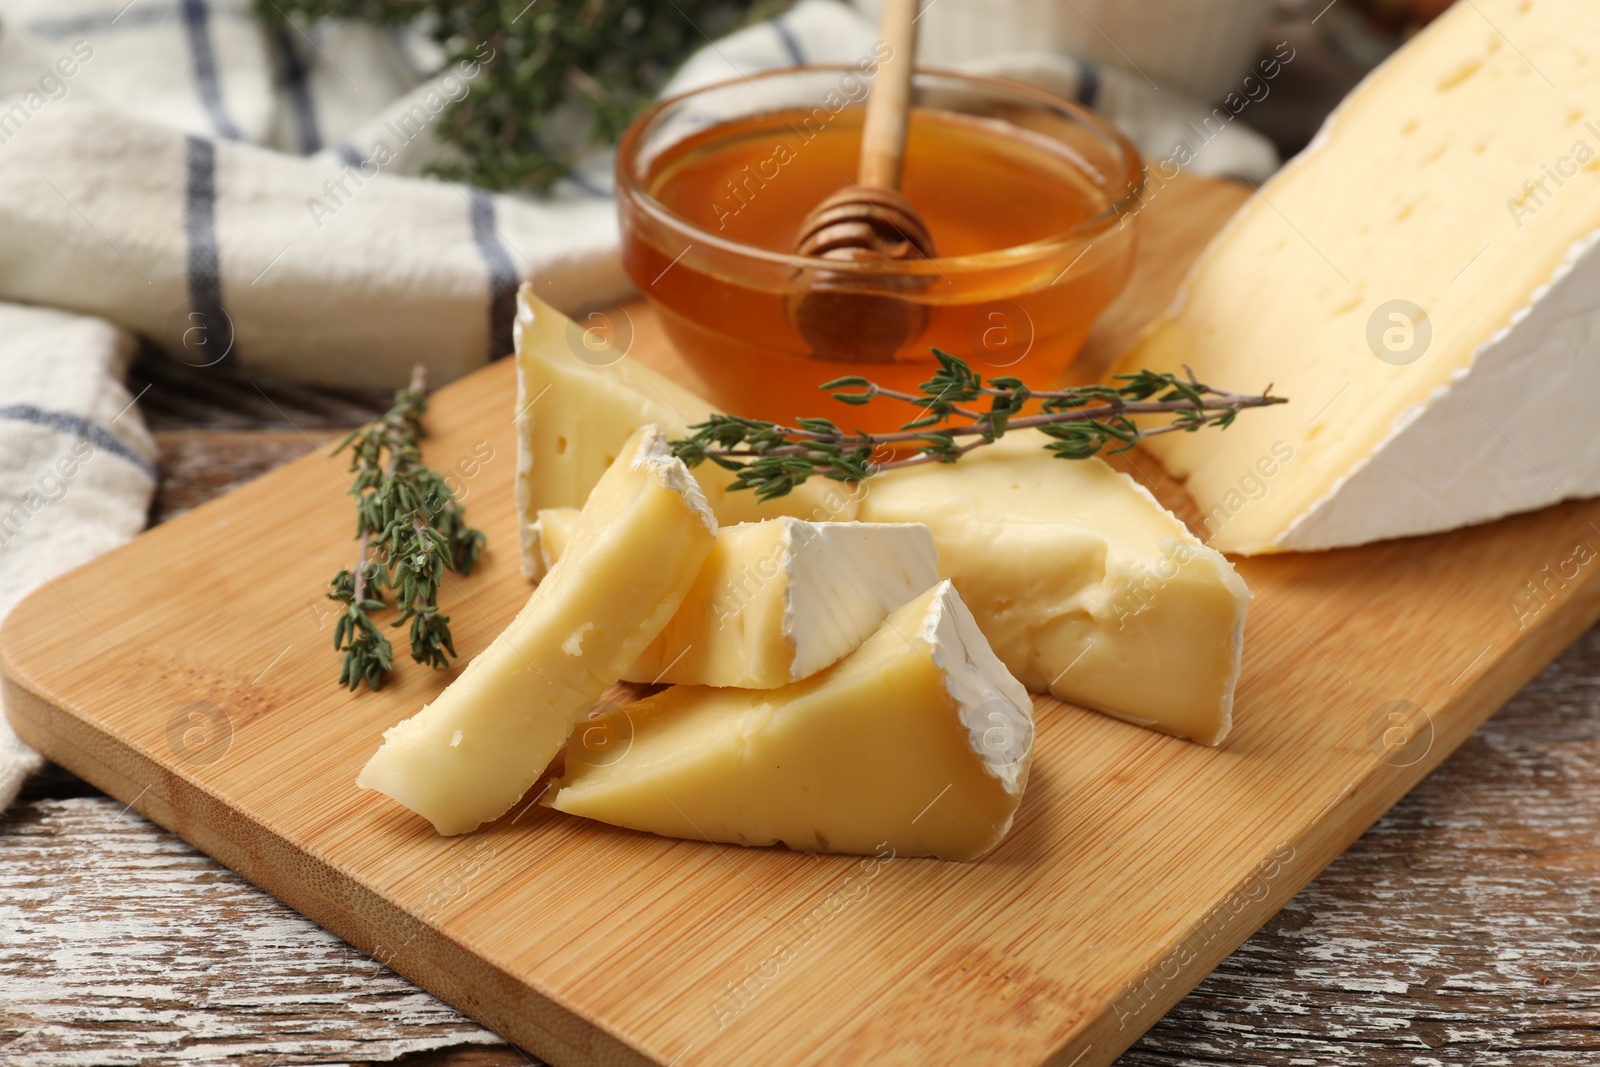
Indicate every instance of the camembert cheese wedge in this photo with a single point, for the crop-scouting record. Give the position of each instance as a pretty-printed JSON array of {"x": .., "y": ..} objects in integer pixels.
[
  {"x": 920, "y": 741},
  {"x": 1086, "y": 587},
  {"x": 573, "y": 414},
  {"x": 642, "y": 538},
  {"x": 1423, "y": 283},
  {"x": 777, "y": 601}
]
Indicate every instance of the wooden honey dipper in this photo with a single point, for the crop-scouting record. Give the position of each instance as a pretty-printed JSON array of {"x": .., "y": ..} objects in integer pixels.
[{"x": 869, "y": 220}]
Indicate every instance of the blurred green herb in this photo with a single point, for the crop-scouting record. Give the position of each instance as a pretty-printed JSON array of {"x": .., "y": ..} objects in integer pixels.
[
  {"x": 1079, "y": 422},
  {"x": 555, "y": 76},
  {"x": 411, "y": 529}
]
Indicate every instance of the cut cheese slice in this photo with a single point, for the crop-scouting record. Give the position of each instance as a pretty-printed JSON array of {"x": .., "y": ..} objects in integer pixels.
[
  {"x": 643, "y": 536},
  {"x": 552, "y": 532},
  {"x": 574, "y": 414},
  {"x": 919, "y": 742},
  {"x": 778, "y": 601},
  {"x": 1086, "y": 587},
  {"x": 1423, "y": 283}
]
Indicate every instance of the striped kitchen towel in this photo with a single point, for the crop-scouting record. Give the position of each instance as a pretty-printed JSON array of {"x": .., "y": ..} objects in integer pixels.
[
  {"x": 250, "y": 197},
  {"x": 76, "y": 465}
]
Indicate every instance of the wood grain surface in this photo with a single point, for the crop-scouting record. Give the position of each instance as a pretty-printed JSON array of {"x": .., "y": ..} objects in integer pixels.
[
  {"x": 1463, "y": 928},
  {"x": 1497, "y": 880}
]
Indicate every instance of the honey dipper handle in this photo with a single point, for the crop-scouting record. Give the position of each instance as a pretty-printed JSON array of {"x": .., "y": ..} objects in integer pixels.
[{"x": 883, "y": 137}]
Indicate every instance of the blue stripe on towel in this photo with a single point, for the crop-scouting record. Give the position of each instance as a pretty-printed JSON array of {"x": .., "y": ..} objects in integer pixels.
[
  {"x": 200, "y": 234},
  {"x": 791, "y": 43},
  {"x": 297, "y": 83},
  {"x": 349, "y": 153},
  {"x": 503, "y": 278},
  {"x": 197, "y": 21},
  {"x": 587, "y": 186},
  {"x": 77, "y": 426},
  {"x": 1088, "y": 83}
]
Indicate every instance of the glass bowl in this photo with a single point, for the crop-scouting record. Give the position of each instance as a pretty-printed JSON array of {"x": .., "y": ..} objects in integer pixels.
[{"x": 1030, "y": 199}]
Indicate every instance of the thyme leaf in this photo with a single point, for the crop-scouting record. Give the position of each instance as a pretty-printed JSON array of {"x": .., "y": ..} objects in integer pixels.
[
  {"x": 958, "y": 411},
  {"x": 410, "y": 529}
]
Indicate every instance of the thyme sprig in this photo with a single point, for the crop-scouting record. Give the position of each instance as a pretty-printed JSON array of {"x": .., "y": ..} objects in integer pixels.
[
  {"x": 410, "y": 529},
  {"x": 1081, "y": 421},
  {"x": 553, "y": 78}
]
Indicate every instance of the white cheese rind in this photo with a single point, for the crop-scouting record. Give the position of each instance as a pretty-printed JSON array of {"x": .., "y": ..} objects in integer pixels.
[
  {"x": 1485, "y": 445},
  {"x": 842, "y": 579},
  {"x": 655, "y": 459},
  {"x": 778, "y": 601},
  {"x": 573, "y": 414},
  {"x": 467, "y": 757},
  {"x": 994, "y": 707},
  {"x": 919, "y": 741},
  {"x": 1462, "y": 177}
]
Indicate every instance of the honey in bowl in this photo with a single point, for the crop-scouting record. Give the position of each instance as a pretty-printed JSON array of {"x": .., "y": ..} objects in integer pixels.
[{"x": 1026, "y": 198}]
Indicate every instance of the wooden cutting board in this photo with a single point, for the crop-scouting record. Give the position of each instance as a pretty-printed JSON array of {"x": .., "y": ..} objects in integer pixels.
[{"x": 191, "y": 674}]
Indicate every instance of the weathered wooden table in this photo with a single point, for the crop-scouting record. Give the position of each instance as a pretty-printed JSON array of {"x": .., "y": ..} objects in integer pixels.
[{"x": 1463, "y": 929}]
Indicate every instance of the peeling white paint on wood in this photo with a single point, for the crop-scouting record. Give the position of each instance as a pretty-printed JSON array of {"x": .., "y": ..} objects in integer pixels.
[
  {"x": 1472, "y": 909},
  {"x": 123, "y": 945}
]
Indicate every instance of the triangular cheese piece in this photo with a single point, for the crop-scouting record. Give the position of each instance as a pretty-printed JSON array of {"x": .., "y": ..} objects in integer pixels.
[
  {"x": 1085, "y": 586},
  {"x": 1423, "y": 283},
  {"x": 573, "y": 414},
  {"x": 638, "y": 545},
  {"x": 777, "y": 601},
  {"x": 916, "y": 744}
]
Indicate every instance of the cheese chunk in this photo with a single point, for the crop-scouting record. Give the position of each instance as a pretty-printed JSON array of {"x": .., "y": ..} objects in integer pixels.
[
  {"x": 1086, "y": 587},
  {"x": 919, "y": 740},
  {"x": 574, "y": 414},
  {"x": 778, "y": 601},
  {"x": 643, "y": 536},
  {"x": 1423, "y": 283},
  {"x": 552, "y": 528}
]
